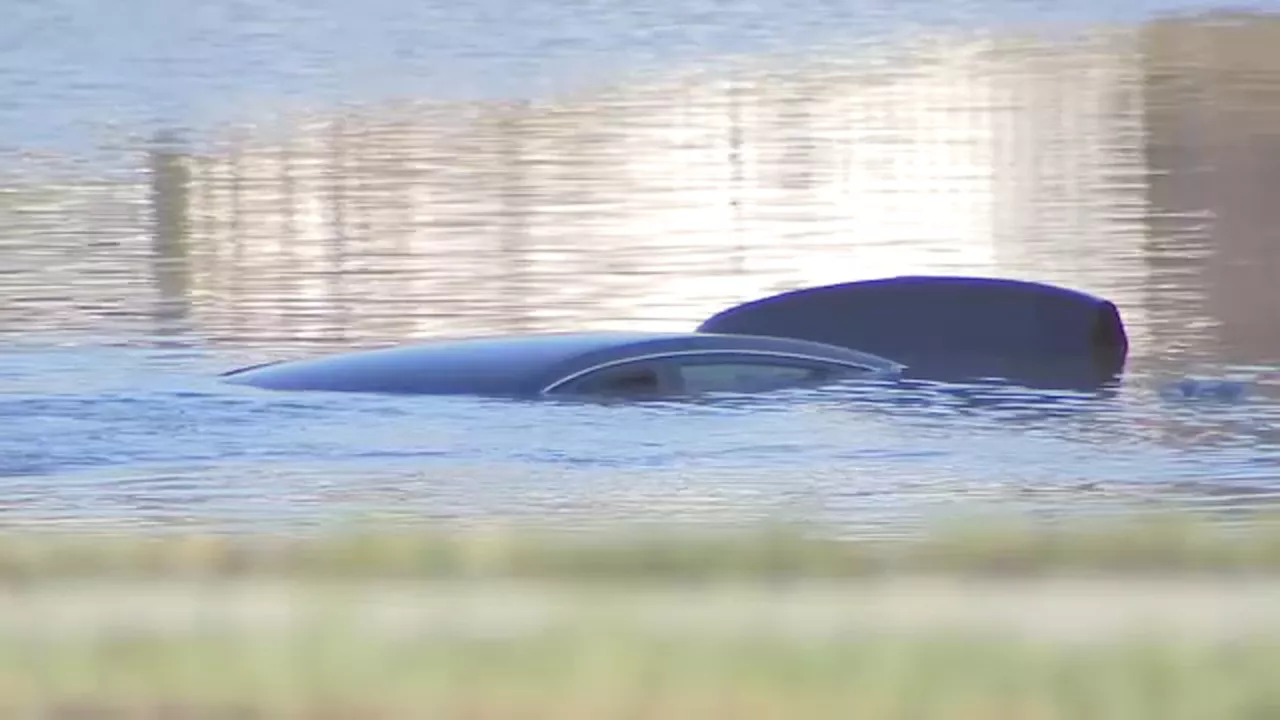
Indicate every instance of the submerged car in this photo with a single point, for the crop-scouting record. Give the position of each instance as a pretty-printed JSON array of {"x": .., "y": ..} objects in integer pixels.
[
  {"x": 916, "y": 327},
  {"x": 574, "y": 364}
]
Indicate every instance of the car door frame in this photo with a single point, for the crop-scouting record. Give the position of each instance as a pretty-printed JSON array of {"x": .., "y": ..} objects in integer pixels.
[{"x": 666, "y": 365}]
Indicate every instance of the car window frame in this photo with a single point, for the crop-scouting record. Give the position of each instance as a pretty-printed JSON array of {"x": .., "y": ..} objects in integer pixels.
[{"x": 667, "y": 364}]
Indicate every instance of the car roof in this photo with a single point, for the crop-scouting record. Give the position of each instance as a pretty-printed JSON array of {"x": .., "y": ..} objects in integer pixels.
[{"x": 510, "y": 364}]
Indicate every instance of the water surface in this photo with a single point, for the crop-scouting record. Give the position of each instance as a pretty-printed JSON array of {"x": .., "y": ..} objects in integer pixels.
[
  {"x": 125, "y": 434},
  {"x": 186, "y": 192}
]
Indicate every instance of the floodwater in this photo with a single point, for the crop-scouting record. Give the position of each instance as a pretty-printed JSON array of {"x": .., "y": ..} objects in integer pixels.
[{"x": 182, "y": 192}]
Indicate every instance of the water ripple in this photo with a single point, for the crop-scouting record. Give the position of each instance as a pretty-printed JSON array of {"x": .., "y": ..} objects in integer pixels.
[{"x": 146, "y": 436}]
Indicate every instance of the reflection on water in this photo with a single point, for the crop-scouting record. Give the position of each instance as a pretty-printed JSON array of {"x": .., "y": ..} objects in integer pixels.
[{"x": 1134, "y": 162}]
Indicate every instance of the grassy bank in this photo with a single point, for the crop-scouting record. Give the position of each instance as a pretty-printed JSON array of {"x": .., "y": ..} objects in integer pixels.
[
  {"x": 601, "y": 674},
  {"x": 1157, "y": 544},
  {"x": 1011, "y": 622}
]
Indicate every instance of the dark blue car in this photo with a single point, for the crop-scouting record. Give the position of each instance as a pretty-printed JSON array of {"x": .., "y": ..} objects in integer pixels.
[{"x": 918, "y": 327}]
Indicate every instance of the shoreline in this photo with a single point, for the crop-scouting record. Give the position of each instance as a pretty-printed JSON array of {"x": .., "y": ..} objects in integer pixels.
[
  {"x": 1137, "y": 546},
  {"x": 1062, "y": 609}
]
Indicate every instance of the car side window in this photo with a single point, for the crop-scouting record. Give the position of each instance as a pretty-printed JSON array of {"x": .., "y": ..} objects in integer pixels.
[
  {"x": 705, "y": 373},
  {"x": 747, "y": 375},
  {"x": 625, "y": 380}
]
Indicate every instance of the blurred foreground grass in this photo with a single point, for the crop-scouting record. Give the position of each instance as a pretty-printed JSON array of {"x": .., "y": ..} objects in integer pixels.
[
  {"x": 1158, "y": 543},
  {"x": 420, "y": 623},
  {"x": 601, "y": 675}
]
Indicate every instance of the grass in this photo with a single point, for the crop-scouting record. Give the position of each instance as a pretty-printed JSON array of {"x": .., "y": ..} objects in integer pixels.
[
  {"x": 600, "y": 673},
  {"x": 327, "y": 661},
  {"x": 1157, "y": 544}
]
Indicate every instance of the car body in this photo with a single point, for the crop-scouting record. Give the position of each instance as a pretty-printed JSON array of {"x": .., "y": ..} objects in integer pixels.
[
  {"x": 598, "y": 363},
  {"x": 932, "y": 328}
]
